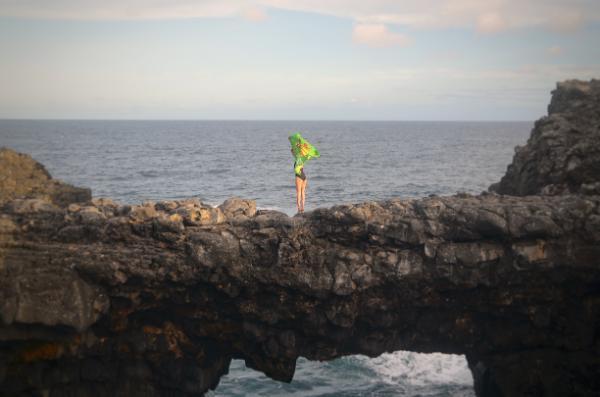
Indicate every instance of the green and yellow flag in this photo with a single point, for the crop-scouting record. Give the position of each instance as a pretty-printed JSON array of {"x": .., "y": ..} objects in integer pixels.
[{"x": 303, "y": 151}]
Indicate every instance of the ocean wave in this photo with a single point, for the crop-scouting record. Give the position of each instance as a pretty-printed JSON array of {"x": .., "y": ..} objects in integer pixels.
[
  {"x": 392, "y": 374},
  {"x": 149, "y": 173},
  {"x": 420, "y": 369}
]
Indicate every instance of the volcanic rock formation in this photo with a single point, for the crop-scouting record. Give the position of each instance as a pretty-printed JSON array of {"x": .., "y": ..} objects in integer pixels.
[
  {"x": 563, "y": 153},
  {"x": 102, "y": 299},
  {"x": 21, "y": 177}
]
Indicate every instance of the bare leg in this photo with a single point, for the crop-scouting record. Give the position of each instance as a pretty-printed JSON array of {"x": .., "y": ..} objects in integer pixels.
[
  {"x": 303, "y": 194},
  {"x": 299, "y": 194}
]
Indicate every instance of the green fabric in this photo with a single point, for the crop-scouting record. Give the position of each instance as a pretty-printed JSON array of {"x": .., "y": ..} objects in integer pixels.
[{"x": 302, "y": 150}]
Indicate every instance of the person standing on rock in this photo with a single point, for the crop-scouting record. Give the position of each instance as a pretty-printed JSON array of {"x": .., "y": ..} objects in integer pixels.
[{"x": 302, "y": 151}]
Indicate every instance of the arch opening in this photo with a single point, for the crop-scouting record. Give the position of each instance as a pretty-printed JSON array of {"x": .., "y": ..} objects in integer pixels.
[{"x": 399, "y": 373}]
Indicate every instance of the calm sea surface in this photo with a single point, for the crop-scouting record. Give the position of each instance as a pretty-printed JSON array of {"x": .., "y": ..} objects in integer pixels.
[{"x": 133, "y": 161}]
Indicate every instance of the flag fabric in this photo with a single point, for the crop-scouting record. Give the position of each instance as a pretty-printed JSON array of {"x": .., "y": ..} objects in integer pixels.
[{"x": 303, "y": 151}]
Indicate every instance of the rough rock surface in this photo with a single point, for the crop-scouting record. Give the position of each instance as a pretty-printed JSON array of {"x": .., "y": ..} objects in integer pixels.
[
  {"x": 102, "y": 299},
  {"x": 563, "y": 152},
  {"x": 21, "y": 176}
]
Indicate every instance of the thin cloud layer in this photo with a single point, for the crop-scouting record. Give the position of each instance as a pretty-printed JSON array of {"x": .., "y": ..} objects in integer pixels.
[
  {"x": 491, "y": 23},
  {"x": 378, "y": 35},
  {"x": 125, "y": 9},
  {"x": 491, "y": 16},
  {"x": 255, "y": 14},
  {"x": 298, "y": 65}
]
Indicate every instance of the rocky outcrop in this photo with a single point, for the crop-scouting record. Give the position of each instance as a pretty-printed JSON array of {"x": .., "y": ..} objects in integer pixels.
[
  {"x": 102, "y": 299},
  {"x": 21, "y": 176},
  {"x": 563, "y": 153},
  {"x": 161, "y": 295}
]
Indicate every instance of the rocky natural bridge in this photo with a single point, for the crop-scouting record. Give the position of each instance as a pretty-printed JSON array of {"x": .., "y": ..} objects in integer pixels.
[{"x": 101, "y": 299}]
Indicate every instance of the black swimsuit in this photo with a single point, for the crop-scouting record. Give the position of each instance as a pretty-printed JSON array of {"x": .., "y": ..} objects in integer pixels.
[{"x": 302, "y": 174}]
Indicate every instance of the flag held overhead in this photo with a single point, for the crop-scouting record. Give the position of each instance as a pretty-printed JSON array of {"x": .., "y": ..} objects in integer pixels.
[{"x": 302, "y": 150}]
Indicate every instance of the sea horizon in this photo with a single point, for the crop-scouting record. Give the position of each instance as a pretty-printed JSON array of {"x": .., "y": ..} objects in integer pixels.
[{"x": 280, "y": 120}]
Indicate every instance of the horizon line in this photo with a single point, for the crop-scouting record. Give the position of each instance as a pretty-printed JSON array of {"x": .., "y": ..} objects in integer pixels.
[{"x": 269, "y": 120}]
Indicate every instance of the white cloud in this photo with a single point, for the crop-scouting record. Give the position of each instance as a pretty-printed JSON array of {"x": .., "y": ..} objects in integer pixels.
[
  {"x": 255, "y": 14},
  {"x": 486, "y": 16},
  {"x": 491, "y": 23},
  {"x": 373, "y": 18},
  {"x": 378, "y": 35}
]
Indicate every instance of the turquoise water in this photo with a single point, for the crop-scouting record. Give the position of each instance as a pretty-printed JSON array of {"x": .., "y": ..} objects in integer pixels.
[{"x": 132, "y": 161}]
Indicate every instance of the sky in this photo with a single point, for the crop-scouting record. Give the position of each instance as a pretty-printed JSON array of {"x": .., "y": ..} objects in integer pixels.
[{"x": 292, "y": 59}]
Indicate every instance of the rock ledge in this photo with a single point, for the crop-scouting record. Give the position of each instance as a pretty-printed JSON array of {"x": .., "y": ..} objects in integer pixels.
[{"x": 103, "y": 299}]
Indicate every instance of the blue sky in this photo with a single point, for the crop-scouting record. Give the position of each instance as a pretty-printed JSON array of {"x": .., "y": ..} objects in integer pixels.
[{"x": 303, "y": 59}]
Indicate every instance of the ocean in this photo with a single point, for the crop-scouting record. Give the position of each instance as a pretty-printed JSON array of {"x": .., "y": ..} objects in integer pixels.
[{"x": 135, "y": 161}]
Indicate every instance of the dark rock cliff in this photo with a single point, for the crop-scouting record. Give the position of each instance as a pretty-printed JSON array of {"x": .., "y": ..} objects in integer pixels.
[
  {"x": 563, "y": 152},
  {"x": 101, "y": 299}
]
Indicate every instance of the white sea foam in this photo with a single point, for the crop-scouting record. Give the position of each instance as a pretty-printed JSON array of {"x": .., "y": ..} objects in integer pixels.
[
  {"x": 401, "y": 373},
  {"x": 420, "y": 369}
]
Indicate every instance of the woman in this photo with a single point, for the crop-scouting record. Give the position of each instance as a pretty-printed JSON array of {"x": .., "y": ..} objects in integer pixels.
[
  {"x": 302, "y": 151},
  {"x": 300, "y": 186}
]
